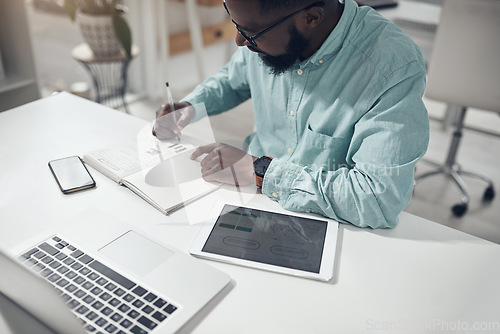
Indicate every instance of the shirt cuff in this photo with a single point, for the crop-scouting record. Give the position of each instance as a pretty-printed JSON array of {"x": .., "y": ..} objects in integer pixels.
[{"x": 279, "y": 179}]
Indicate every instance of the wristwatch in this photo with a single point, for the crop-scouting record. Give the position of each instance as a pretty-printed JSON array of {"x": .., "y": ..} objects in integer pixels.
[{"x": 260, "y": 166}]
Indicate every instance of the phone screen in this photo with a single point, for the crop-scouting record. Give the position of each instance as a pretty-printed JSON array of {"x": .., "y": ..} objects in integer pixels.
[{"x": 71, "y": 174}]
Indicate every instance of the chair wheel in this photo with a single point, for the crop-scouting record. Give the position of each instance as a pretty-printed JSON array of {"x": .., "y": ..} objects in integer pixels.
[
  {"x": 459, "y": 210},
  {"x": 489, "y": 194}
]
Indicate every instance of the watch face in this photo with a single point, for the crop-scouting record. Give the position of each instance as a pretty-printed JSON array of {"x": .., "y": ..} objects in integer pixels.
[{"x": 260, "y": 165}]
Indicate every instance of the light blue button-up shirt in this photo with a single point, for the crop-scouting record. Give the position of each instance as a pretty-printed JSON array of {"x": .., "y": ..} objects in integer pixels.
[{"x": 345, "y": 127}]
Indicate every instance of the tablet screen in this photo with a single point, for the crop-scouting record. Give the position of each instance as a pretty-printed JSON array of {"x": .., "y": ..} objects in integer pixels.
[{"x": 268, "y": 237}]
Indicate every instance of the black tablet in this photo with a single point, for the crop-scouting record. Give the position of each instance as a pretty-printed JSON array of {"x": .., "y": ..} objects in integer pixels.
[{"x": 281, "y": 241}]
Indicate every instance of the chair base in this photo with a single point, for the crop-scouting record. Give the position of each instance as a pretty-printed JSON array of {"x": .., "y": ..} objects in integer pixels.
[{"x": 455, "y": 172}]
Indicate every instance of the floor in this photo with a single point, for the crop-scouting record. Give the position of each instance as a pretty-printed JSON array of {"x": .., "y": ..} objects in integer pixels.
[
  {"x": 433, "y": 197},
  {"x": 54, "y": 36}
]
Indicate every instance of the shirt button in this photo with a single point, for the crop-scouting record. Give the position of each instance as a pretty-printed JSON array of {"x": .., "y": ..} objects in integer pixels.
[
  {"x": 289, "y": 150},
  {"x": 321, "y": 61},
  {"x": 275, "y": 195},
  {"x": 300, "y": 72},
  {"x": 292, "y": 112}
]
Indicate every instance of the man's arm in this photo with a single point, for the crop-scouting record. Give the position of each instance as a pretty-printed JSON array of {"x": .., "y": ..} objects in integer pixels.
[
  {"x": 220, "y": 92},
  {"x": 224, "y": 90},
  {"x": 377, "y": 182}
]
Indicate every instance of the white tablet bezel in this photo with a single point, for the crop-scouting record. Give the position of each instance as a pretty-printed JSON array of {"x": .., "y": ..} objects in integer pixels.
[{"x": 327, "y": 259}]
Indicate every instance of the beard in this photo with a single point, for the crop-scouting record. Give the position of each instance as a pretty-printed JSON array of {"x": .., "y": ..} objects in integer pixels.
[{"x": 279, "y": 64}]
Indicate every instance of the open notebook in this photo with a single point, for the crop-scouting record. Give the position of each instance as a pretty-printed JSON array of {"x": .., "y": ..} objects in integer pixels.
[{"x": 160, "y": 172}]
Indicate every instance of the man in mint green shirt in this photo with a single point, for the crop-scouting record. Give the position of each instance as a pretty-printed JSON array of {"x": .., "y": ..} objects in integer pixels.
[{"x": 337, "y": 97}]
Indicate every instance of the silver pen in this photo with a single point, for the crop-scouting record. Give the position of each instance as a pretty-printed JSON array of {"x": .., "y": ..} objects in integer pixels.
[{"x": 171, "y": 102}]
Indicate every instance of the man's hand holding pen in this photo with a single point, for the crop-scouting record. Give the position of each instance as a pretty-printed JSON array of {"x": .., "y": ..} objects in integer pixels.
[
  {"x": 168, "y": 125},
  {"x": 222, "y": 163}
]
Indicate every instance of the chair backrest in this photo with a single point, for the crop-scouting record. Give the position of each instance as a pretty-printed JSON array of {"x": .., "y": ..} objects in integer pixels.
[{"x": 464, "y": 68}]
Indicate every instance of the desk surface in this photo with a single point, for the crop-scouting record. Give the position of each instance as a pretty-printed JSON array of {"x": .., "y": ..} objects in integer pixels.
[{"x": 418, "y": 277}]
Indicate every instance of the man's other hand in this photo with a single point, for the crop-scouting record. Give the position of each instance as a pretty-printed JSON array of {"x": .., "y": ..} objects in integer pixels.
[{"x": 226, "y": 164}]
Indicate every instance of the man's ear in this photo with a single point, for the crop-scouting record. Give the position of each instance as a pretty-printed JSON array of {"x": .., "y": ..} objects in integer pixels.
[{"x": 311, "y": 18}]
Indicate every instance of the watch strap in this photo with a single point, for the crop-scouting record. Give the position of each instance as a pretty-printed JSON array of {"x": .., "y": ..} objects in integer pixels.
[{"x": 259, "y": 179}]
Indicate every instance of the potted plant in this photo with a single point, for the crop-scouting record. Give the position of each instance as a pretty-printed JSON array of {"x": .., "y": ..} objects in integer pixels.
[{"x": 102, "y": 25}]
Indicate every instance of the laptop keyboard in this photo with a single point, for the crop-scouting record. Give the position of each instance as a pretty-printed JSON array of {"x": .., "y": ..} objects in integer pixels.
[{"x": 102, "y": 299}]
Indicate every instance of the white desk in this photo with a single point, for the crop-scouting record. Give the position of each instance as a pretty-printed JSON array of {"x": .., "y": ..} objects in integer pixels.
[{"x": 419, "y": 277}]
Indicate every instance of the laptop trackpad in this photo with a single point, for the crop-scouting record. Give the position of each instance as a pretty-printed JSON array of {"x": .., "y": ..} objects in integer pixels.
[{"x": 136, "y": 253}]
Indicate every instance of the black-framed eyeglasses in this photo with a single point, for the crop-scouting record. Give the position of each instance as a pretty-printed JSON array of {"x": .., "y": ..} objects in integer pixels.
[{"x": 251, "y": 39}]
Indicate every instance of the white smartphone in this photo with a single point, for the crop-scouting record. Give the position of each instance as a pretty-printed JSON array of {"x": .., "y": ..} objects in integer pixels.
[{"x": 71, "y": 174}]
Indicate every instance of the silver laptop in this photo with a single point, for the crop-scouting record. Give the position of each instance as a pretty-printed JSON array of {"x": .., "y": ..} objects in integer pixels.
[{"x": 100, "y": 276}]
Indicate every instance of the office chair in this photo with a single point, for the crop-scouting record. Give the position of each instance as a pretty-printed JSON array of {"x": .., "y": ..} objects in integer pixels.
[{"x": 464, "y": 70}]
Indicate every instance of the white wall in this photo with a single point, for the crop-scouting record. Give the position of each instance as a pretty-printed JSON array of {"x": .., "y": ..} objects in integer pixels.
[{"x": 150, "y": 20}]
